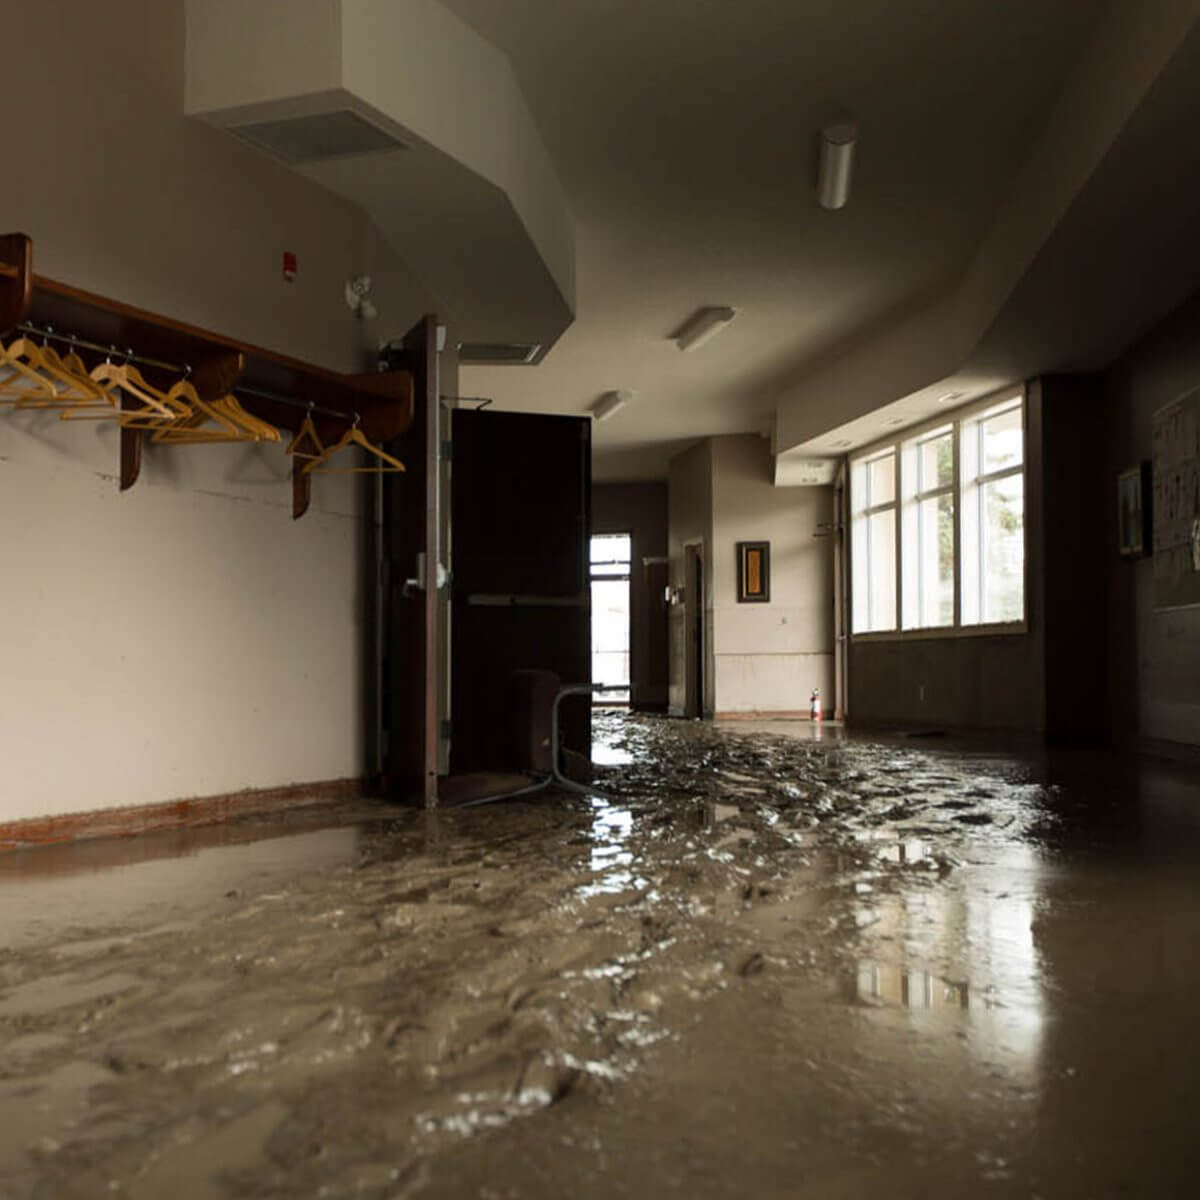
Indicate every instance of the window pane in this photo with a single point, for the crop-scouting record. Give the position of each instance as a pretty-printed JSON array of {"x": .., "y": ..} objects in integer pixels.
[
  {"x": 873, "y": 546},
  {"x": 610, "y": 631},
  {"x": 881, "y": 485},
  {"x": 611, "y": 547},
  {"x": 937, "y": 561},
  {"x": 1003, "y": 549},
  {"x": 937, "y": 463},
  {"x": 1002, "y": 441},
  {"x": 858, "y": 486},
  {"x": 882, "y": 541}
]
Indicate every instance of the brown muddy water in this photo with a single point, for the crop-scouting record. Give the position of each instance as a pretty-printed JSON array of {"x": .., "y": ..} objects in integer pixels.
[{"x": 749, "y": 965}]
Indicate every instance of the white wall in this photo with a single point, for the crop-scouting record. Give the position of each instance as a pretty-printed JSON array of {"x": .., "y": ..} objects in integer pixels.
[
  {"x": 186, "y": 638},
  {"x": 768, "y": 657}
]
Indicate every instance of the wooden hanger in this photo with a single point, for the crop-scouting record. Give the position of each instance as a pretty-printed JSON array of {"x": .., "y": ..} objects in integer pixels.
[
  {"x": 67, "y": 389},
  {"x": 157, "y": 408},
  {"x": 262, "y": 430},
  {"x": 187, "y": 429},
  {"x": 307, "y": 433},
  {"x": 18, "y": 379},
  {"x": 109, "y": 409},
  {"x": 354, "y": 437}
]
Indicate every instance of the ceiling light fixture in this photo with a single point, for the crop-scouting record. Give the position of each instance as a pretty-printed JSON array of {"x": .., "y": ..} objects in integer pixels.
[
  {"x": 949, "y": 397},
  {"x": 702, "y": 326},
  {"x": 610, "y": 403},
  {"x": 836, "y": 164}
]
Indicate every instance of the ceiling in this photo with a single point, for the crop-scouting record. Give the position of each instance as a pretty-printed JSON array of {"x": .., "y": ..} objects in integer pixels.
[{"x": 684, "y": 137}]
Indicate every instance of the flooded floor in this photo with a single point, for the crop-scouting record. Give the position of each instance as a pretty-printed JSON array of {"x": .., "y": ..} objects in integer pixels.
[{"x": 752, "y": 964}]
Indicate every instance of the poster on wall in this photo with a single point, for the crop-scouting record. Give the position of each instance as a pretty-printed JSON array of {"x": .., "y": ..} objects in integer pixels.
[
  {"x": 754, "y": 572},
  {"x": 1177, "y": 502}
]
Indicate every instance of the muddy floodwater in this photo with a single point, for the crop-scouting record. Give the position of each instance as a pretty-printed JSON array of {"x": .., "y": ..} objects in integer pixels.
[{"x": 751, "y": 964}]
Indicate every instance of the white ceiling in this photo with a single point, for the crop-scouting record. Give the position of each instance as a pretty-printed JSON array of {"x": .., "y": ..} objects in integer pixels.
[{"x": 684, "y": 137}]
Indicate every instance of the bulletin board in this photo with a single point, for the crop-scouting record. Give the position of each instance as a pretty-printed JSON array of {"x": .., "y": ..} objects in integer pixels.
[{"x": 1177, "y": 502}]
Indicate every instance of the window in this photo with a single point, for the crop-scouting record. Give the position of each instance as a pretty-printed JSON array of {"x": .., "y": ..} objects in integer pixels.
[
  {"x": 957, "y": 490},
  {"x": 993, "y": 527},
  {"x": 873, "y": 534},
  {"x": 927, "y": 537}
]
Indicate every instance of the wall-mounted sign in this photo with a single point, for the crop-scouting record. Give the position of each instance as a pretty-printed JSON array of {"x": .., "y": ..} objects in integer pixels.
[
  {"x": 1135, "y": 531},
  {"x": 1176, "y": 502},
  {"x": 754, "y": 572}
]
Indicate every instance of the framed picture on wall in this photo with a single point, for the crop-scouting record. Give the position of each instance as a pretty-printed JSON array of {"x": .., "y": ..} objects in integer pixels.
[
  {"x": 1134, "y": 530},
  {"x": 754, "y": 572}
]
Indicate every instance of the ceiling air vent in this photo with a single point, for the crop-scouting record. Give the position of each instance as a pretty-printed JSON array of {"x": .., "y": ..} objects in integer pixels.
[
  {"x": 336, "y": 134},
  {"x": 496, "y": 353}
]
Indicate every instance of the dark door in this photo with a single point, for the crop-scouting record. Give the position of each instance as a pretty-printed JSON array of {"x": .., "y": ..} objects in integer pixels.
[
  {"x": 521, "y": 521},
  {"x": 409, "y": 539}
]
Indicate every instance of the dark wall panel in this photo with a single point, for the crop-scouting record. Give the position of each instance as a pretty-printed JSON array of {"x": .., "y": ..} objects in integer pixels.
[{"x": 521, "y": 521}]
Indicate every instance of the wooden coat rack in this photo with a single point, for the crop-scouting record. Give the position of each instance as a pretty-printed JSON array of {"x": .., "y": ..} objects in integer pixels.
[{"x": 276, "y": 388}]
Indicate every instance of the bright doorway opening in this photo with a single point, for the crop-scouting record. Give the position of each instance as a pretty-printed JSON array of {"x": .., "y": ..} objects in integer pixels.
[{"x": 611, "y": 558}]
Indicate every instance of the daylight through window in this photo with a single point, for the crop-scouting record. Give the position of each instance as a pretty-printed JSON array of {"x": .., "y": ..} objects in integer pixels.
[{"x": 957, "y": 556}]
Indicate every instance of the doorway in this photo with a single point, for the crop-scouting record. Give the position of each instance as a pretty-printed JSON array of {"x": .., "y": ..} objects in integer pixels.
[
  {"x": 694, "y": 650},
  {"x": 611, "y": 560}
]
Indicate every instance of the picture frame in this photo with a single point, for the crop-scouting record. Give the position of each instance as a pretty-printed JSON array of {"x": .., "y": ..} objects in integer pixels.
[
  {"x": 1134, "y": 518},
  {"x": 754, "y": 572}
]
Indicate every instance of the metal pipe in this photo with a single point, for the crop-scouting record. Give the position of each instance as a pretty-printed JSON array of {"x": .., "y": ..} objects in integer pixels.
[
  {"x": 141, "y": 360},
  {"x": 83, "y": 344}
]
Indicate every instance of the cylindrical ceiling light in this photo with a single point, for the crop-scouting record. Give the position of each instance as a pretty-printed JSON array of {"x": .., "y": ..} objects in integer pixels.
[
  {"x": 836, "y": 166},
  {"x": 703, "y": 325},
  {"x": 610, "y": 403}
]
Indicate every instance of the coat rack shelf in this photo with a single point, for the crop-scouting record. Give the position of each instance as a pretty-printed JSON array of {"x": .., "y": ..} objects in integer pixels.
[{"x": 273, "y": 387}]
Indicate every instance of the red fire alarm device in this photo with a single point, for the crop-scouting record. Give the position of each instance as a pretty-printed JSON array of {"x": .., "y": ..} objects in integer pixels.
[{"x": 289, "y": 266}]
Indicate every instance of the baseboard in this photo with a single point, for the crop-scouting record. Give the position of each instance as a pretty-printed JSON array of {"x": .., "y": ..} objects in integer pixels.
[
  {"x": 787, "y": 714},
  {"x": 174, "y": 814}
]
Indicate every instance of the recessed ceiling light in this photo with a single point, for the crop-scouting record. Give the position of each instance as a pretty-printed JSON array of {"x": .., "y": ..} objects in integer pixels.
[
  {"x": 702, "y": 326},
  {"x": 894, "y": 422},
  {"x": 949, "y": 397},
  {"x": 840, "y": 445}
]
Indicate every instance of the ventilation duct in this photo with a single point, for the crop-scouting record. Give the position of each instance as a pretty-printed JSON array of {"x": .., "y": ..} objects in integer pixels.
[{"x": 338, "y": 134}]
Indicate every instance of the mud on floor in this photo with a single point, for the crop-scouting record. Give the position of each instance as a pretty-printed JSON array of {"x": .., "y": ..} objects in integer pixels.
[{"x": 351, "y": 1028}]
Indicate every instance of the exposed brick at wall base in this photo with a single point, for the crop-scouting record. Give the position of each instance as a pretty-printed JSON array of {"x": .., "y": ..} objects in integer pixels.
[{"x": 174, "y": 814}]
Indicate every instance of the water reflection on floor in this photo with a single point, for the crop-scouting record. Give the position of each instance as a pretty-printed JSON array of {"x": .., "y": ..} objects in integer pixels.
[{"x": 747, "y": 963}]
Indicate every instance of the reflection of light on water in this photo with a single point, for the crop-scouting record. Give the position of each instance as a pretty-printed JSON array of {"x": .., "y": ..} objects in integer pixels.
[
  {"x": 611, "y": 857},
  {"x": 987, "y": 930},
  {"x": 605, "y": 754}
]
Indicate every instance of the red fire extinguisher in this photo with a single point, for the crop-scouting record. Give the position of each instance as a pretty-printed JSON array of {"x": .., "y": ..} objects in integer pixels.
[{"x": 814, "y": 705}]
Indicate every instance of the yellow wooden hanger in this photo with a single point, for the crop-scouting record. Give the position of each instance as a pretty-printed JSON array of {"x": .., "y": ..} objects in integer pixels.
[
  {"x": 354, "y": 437},
  {"x": 262, "y": 431},
  {"x": 307, "y": 442},
  {"x": 69, "y": 390},
  {"x": 19, "y": 379},
  {"x": 108, "y": 409},
  {"x": 157, "y": 408},
  {"x": 187, "y": 430}
]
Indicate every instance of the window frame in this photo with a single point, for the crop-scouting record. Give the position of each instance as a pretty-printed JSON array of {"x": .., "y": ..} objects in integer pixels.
[
  {"x": 896, "y": 442},
  {"x": 881, "y": 450},
  {"x": 914, "y": 442}
]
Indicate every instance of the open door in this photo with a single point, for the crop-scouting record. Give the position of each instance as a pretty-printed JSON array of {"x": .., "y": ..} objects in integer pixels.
[
  {"x": 521, "y": 522},
  {"x": 694, "y": 630},
  {"x": 410, "y": 546}
]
